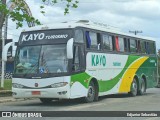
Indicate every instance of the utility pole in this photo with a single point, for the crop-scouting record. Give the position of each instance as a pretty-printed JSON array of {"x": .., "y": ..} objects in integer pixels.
[
  {"x": 4, "y": 37},
  {"x": 135, "y": 32}
]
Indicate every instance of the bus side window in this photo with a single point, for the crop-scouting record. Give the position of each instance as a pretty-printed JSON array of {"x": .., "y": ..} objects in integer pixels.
[
  {"x": 88, "y": 40},
  {"x": 143, "y": 50},
  {"x": 76, "y": 59},
  {"x": 152, "y": 47},
  {"x": 126, "y": 45},
  {"x": 98, "y": 41},
  {"x": 107, "y": 42},
  {"x": 119, "y": 44},
  {"x": 133, "y": 46},
  {"x": 93, "y": 40},
  {"x": 147, "y": 47},
  {"x": 113, "y": 43},
  {"x": 78, "y": 36},
  {"x": 138, "y": 46}
]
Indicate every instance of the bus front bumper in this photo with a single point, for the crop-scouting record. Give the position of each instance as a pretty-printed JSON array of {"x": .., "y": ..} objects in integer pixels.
[{"x": 61, "y": 92}]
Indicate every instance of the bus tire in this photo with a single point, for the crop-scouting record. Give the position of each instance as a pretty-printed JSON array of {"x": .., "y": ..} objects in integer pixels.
[
  {"x": 142, "y": 89},
  {"x": 134, "y": 88},
  {"x": 46, "y": 100},
  {"x": 91, "y": 93}
]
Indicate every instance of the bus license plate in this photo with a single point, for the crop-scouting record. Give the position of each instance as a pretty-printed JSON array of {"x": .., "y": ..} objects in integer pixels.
[{"x": 36, "y": 93}]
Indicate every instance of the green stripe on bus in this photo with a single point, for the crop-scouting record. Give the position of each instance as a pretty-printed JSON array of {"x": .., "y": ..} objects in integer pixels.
[{"x": 104, "y": 85}]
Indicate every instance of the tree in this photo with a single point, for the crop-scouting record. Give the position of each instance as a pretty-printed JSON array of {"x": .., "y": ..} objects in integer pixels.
[{"x": 18, "y": 17}]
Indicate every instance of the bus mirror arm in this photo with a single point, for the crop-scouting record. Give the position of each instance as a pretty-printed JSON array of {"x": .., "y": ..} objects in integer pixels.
[
  {"x": 70, "y": 49},
  {"x": 16, "y": 43}
]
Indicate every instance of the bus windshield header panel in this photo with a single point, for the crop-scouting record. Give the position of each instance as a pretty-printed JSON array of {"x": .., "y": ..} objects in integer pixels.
[{"x": 45, "y": 37}]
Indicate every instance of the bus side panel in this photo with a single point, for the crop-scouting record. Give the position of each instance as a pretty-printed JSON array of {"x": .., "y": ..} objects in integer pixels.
[
  {"x": 79, "y": 85},
  {"x": 148, "y": 70},
  {"x": 116, "y": 76}
]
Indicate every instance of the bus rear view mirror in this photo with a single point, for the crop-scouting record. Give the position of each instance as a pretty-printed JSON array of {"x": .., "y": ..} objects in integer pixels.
[
  {"x": 70, "y": 48},
  {"x": 5, "y": 50}
]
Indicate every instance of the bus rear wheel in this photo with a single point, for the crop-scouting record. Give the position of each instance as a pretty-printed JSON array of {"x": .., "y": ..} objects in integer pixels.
[
  {"x": 142, "y": 89},
  {"x": 134, "y": 88},
  {"x": 91, "y": 93},
  {"x": 46, "y": 100}
]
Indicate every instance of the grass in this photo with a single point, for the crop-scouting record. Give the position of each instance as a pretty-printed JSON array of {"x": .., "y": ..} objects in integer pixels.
[{"x": 7, "y": 85}]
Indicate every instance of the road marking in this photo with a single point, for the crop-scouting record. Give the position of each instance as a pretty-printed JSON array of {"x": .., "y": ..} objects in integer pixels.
[{"x": 83, "y": 106}]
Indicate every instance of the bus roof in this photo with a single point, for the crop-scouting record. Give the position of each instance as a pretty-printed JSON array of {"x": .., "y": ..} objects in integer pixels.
[{"x": 86, "y": 24}]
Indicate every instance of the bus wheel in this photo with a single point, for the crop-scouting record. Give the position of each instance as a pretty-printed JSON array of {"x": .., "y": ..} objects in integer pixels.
[
  {"x": 134, "y": 87},
  {"x": 46, "y": 100},
  {"x": 91, "y": 93},
  {"x": 142, "y": 90}
]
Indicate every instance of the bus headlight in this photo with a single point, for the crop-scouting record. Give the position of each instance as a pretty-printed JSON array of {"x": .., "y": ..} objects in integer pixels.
[
  {"x": 61, "y": 84},
  {"x": 15, "y": 85}
]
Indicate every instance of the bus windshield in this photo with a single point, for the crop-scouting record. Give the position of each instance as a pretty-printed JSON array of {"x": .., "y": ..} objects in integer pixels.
[{"x": 41, "y": 59}]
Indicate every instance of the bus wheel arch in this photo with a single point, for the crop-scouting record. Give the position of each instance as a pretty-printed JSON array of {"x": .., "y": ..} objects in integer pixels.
[
  {"x": 143, "y": 85},
  {"x": 93, "y": 90}
]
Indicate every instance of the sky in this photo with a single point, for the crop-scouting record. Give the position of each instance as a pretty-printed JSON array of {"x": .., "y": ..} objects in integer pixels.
[{"x": 126, "y": 15}]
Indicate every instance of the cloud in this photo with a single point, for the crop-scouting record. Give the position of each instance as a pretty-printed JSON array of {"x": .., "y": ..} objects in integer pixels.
[{"x": 125, "y": 14}]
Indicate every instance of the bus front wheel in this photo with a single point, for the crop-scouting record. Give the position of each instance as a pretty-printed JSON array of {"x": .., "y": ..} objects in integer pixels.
[
  {"x": 134, "y": 88},
  {"x": 91, "y": 93}
]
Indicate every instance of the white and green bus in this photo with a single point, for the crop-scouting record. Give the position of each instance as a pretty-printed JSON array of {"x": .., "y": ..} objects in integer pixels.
[{"x": 82, "y": 60}]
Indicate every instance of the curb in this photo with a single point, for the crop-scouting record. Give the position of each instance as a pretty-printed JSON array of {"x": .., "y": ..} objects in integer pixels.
[
  {"x": 11, "y": 99},
  {"x": 5, "y": 93},
  {"x": 6, "y": 96},
  {"x": 7, "y": 99}
]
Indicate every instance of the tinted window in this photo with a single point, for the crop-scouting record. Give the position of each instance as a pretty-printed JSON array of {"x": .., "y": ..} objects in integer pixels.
[
  {"x": 78, "y": 36},
  {"x": 133, "y": 45},
  {"x": 41, "y": 59},
  {"x": 152, "y": 47},
  {"x": 51, "y": 61},
  {"x": 138, "y": 46},
  {"x": 76, "y": 61},
  {"x": 107, "y": 42},
  {"x": 119, "y": 44},
  {"x": 91, "y": 38},
  {"x": 126, "y": 49},
  {"x": 147, "y": 48},
  {"x": 143, "y": 50}
]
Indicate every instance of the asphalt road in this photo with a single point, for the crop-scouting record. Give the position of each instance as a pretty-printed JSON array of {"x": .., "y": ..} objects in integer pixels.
[{"x": 148, "y": 102}]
